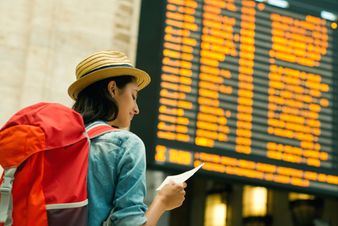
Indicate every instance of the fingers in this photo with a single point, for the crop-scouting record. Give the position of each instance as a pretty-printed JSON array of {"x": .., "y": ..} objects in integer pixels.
[
  {"x": 178, "y": 186},
  {"x": 183, "y": 185}
]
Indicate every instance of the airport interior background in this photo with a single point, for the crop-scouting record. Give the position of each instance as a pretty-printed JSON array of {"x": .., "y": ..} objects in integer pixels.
[{"x": 247, "y": 87}]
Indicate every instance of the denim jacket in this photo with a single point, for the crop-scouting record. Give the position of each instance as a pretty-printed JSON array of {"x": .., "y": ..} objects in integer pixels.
[{"x": 116, "y": 179}]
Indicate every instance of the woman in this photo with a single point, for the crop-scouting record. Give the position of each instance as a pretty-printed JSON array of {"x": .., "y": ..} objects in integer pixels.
[{"x": 105, "y": 92}]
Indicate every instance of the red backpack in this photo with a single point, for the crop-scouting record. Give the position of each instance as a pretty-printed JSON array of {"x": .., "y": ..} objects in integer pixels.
[{"x": 44, "y": 153}]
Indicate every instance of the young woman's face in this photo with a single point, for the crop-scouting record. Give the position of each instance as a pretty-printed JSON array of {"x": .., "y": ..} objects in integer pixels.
[{"x": 126, "y": 100}]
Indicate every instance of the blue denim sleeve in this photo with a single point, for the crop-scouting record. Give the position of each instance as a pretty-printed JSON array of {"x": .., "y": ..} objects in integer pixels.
[{"x": 128, "y": 205}]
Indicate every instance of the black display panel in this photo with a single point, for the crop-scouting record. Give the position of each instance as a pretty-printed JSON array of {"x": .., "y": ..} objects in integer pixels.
[{"x": 247, "y": 87}]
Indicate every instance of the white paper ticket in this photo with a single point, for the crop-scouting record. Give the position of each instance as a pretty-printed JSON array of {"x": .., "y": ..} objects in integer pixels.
[{"x": 180, "y": 178}]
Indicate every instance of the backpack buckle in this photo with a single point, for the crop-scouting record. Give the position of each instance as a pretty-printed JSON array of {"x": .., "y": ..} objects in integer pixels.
[{"x": 7, "y": 183}]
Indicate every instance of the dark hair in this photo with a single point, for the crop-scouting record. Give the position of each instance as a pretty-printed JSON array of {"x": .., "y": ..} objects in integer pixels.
[{"x": 95, "y": 102}]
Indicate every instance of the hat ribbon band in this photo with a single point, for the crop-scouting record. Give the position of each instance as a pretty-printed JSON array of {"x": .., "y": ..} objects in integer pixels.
[{"x": 108, "y": 66}]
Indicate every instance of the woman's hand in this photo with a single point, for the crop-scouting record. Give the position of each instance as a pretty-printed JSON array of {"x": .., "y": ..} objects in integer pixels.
[
  {"x": 169, "y": 197},
  {"x": 172, "y": 195}
]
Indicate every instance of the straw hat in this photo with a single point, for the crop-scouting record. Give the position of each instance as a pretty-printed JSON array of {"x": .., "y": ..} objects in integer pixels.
[{"x": 102, "y": 65}]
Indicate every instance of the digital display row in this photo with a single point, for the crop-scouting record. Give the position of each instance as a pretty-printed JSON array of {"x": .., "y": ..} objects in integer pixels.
[{"x": 246, "y": 87}]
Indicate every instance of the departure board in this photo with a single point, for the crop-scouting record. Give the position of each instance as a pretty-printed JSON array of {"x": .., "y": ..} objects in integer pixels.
[{"x": 247, "y": 87}]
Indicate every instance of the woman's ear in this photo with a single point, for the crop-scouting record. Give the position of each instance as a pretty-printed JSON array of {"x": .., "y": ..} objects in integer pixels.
[{"x": 112, "y": 88}]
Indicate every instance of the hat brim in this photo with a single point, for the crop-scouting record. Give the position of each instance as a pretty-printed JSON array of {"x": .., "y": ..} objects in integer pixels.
[{"x": 142, "y": 78}]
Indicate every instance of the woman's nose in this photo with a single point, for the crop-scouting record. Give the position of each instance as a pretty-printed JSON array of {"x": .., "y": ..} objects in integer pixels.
[{"x": 136, "y": 110}]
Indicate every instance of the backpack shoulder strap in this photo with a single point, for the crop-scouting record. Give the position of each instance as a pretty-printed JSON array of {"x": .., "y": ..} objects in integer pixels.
[
  {"x": 98, "y": 129},
  {"x": 6, "y": 200}
]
